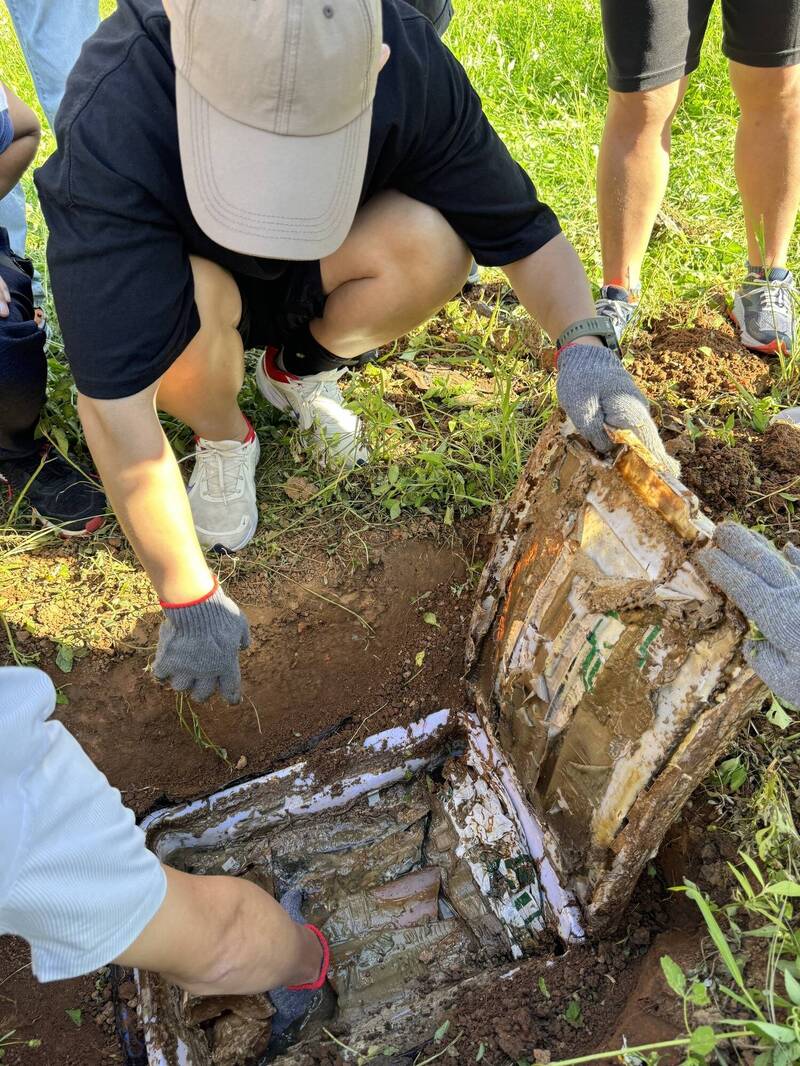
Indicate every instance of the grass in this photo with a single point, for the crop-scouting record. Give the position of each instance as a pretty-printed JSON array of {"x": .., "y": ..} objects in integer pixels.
[
  {"x": 540, "y": 70},
  {"x": 451, "y": 412}
]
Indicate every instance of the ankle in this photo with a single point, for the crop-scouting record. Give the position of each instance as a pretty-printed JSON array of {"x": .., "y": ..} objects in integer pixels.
[
  {"x": 236, "y": 427},
  {"x": 631, "y": 290},
  {"x": 303, "y": 355},
  {"x": 773, "y": 272}
]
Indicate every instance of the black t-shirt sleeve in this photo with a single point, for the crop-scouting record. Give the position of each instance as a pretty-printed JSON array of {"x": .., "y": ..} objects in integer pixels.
[
  {"x": 120, "y": 274},
  {"x": 461, "y": 167}
]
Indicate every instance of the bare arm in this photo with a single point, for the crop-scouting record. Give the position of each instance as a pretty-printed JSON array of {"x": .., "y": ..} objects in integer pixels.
[
  {"x": 552, "y": 286},
  {"x": 20, "y": 153},
  {"x": 224, "y": 935},
  {"x": 594, "y": 388},
  {"x": 141, "y": 476}
]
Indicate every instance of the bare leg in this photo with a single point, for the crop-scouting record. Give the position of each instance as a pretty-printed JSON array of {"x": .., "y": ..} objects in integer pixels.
[
  {"x": 400, "y": 262},
  {"x": 768, "y": 157},
  {"x": 224, "y": 935},
  {"x": 201, "y": 386},
  {"x": 632, "y": 173}
]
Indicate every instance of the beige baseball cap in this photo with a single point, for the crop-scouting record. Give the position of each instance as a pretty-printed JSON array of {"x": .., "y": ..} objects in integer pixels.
[{"x": 274, "y": 101}]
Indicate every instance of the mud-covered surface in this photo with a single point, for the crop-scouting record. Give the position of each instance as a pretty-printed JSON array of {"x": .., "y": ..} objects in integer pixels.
[
  {"x": 589, "y": 998},
  {"x": 422, "y": 887},
  {"x": 129, "y": 727}
]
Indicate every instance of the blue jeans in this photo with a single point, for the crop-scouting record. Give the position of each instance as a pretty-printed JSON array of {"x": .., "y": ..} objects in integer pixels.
[{"x": 51, "y": 33}]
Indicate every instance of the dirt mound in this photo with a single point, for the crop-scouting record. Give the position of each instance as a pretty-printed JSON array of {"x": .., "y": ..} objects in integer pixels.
[
  {"x": 723, "y": 477},
  {"x": 780, "y": 448},
  {"x": 755, "y": 479},
  {"x": 696, "y": 364}
]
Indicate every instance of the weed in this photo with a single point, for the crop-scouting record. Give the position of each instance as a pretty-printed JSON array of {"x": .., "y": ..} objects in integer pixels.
[
  {"x": 7, "y": 1040},
  {"x": 377, "y": 1052},
  {"x": 190, "y": 721}
]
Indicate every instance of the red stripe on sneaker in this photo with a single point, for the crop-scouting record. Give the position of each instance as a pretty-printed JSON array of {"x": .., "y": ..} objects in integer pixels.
[
  {"x": 251, "y": 433},
  {"x": 191, "y": 603},
  {"x": 271, "y": 368},
  {"x": 94, "y": 524}
]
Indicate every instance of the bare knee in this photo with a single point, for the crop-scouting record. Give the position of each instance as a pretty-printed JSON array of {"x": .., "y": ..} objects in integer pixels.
[
  {"x": 394, "y": 234},
  {"x": 212, "y": 363},
  {"x": 646, "y": 115},
  {"x": 420, "y": 244},
  {"x": 767, "y": 93}
]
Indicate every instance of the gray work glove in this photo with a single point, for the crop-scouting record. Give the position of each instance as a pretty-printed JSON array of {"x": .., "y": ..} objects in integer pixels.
[
  {"x": 297, "y": 1008},
  {"x": 199, "y": 645},
  {"x": 765, "y": 586},
  {"x": 594, "y": 389}
]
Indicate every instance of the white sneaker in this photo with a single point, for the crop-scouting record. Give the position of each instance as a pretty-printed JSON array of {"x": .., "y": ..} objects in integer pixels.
[
  {"x": 316, "y": 402},
  {"x": 222, "y": 492}
]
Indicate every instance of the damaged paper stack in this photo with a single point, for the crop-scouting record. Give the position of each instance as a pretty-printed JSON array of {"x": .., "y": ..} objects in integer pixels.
[
  {"x": 606, "y": 668},
  {"x": 606, "y": 678}
]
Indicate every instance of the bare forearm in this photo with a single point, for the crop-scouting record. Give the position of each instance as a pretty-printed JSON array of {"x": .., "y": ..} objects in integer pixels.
[
  {"x": 15, "y": 161},
  {"x": 141, "y": 476},
  {"x": 223, "y": 935},
  {"x": 20, "y": 153},
  {"x": 551, "y": 285}
]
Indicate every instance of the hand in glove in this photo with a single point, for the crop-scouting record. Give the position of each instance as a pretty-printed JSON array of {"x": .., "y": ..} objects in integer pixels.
[
  {"x": 199, "y": 645},
  {"x": 300, "y": 1008},
  {"x": 765, "y": 586},
  {"x": 595, "y": 389}
]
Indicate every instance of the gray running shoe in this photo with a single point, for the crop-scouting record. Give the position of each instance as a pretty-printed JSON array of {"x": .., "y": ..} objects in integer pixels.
[
  {"x": 615, "y": 303},
  {"x": 763, "y": 311}
]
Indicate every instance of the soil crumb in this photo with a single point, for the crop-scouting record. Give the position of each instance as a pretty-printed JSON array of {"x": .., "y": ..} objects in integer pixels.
[
  {"x": 755, "y": 479},
  {"x": 780, "y": 448},
  {"x": 722, "y": 476},
  {"x": 697, "y": 363}
]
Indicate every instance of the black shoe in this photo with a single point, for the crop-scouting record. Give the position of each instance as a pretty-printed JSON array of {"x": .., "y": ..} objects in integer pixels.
[{"x": 60, "y": 495}]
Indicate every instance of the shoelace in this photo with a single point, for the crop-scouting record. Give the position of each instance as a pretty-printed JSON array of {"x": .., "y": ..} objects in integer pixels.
[
  {"x": 222, "y": 472},
  {"x": 327, "y": 387},
  {"x": 613, "y": 309},
  {"x": 773, "y": 295}
]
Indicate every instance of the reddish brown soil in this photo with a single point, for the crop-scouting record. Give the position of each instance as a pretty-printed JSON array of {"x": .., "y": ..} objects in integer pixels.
[
  {"x": 312, "y": 668},
  {"x": 723, "y": 476},
  {"x": 757, "y": 477},
  {"x": 696, "y": 364},
  {"x": 780, "y": 449}
]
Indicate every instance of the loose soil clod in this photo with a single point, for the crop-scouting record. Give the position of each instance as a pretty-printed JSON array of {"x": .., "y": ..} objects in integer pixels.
[
  {"x": 696, "y": 363},
  {"x": 723, "y": 477},
  {"x": 780, "y": 448}
]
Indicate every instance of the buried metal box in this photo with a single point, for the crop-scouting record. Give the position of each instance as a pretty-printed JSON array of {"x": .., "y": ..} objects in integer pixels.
[
  {"x": 419, "y": 860},
  {"x": 606, "y": 679},
  {"x": 608, "y": 669}
]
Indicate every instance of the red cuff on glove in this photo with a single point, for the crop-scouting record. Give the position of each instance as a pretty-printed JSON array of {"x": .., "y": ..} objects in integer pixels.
[
  {"x": 572, "y": 344},
  {"x": 192, "y": 603},
  {"x": 326, "y": 962}
]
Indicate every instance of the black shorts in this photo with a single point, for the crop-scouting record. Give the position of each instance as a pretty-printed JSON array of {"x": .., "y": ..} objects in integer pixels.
[
  {"x": 271, "y": 310},
  {"x": 654, "y": 42}
]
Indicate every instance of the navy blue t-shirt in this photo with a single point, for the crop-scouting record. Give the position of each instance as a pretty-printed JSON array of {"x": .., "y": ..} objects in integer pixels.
[{"x": 121, "y": 230}]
